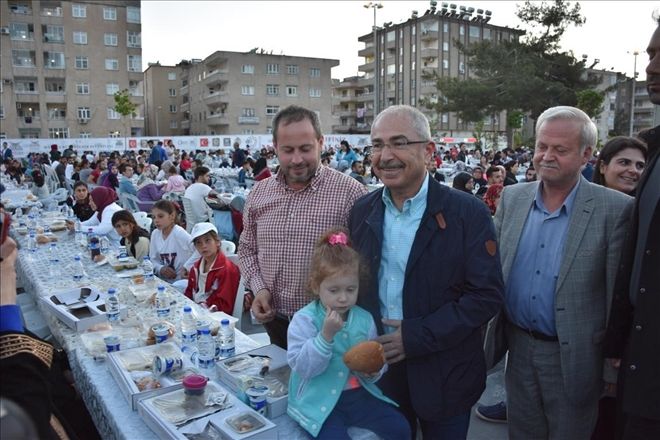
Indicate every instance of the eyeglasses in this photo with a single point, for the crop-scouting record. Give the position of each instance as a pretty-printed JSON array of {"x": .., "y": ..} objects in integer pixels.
[{"x": 398, "y": 145}]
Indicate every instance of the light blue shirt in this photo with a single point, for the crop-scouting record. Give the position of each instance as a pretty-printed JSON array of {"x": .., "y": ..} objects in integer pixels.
[
  {"x": 399, "y": 229},
  {"x": 126, "y": 186},
  {"x": 530, "y": 289}
]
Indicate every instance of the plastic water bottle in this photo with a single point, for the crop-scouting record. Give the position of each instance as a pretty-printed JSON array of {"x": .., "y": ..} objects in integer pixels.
[
  {"x": 78, "y": 270},
  {"x": 147, "y": 269},
  {"x": 112, "y": 306},
  {"x": 226, "y": 339},
  {"x": 18, "y": 213},
  {"x": 32, "y": 223},
  {"x": 80, "y": 235},
  {"x": 32, "y": 243},
  {"x": 188, "y": 330},
  {"x": 162, "y": 303},
  {"x": 206, "y": 350},
  {"x": 105, "y": 245}
]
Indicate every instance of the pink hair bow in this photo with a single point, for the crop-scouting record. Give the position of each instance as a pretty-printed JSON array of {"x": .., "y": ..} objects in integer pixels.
[{"x": 338, "y": 238}]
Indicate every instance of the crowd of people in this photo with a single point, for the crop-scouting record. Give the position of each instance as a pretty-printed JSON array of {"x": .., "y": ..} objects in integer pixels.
[{"x": 554, "y": 271}]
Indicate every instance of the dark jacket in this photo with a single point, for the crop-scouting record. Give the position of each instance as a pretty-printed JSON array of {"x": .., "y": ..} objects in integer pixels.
[
  {"x": 633, "y": 332},
  {"x": 453, "y": 285}
]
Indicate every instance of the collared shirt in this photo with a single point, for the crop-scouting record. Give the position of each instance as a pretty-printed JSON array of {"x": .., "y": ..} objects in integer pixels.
[
  {"x": 126, "y": 186},
  {"x": 281, "y": 226},
  {"x": 530, "y": 289},
  {"x": 399, "y": 229}
]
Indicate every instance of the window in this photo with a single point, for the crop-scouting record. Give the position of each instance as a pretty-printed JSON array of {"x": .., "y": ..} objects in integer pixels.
[
  {"x": 135, "y": 88},
  {"x": 134, "y": 63},
  {"x": 445, "y": 27},
  {"x": 25, "y": 86},
  {"x": 109, "y": 13},
  {"x": 247, "y": 90},
  {"x": 82, "y": 63},
  {"x": 171, "y": 76},
  {"x": 21, "y": 31},
  {"x": 291, "y": 90},
  {"x": 445, "y": 46},
  {"x": 173, "y": 123},
  {"x": 248, "y": 112},
  {"x": 2, "y": 112},
  {"x": 486, "y": 34},
  {"x": 292, "y": 69},
  {"x": 58, "y": 133},
  {"x": 271, "y": 110},
  {"x": 132, "y": 14},
  {"x": 84, "y": 113},
  {"x": 172, "y": 108},
  {"x": 445, "y": 64},
  {"x": 172, "y": 92},
  {"x": 391, "y": 69},
  {"x": 23, "y": 58},
  {"x": 54, "y": 60},
  {"x": 461, "y": 29},
  {"x": 445, "y": 118},
  {"x": 112, "y": 114},
  {"x": 314, "y": 72},
  {"x": 85, "y": 135},
  {"x": 272, "y": 89},
  {"x": 111, "y": 88},
  {"x": 413, "y": 65},
  {"x": 391, "y": 36},
  {"x": 114, "y": 134},
  {"x": 272, "y": 69},
  {"x": 474, "y": 31},
  {"x": 110, "y": 39},
  {"x": 248, "y": 69},
  {"x": 79, "y": 37},
  {"x": 248, "y": 131},
  {"x": 78, "y": 10},
  {"x": 82, "y": 88},
  {"x": 461, "y": 67},
  {"x": 53, "y": 34},
  {"x": 111, "y": 64},
  {"x": 314, "y": 93},
  {"x": 133, "y": 39}
]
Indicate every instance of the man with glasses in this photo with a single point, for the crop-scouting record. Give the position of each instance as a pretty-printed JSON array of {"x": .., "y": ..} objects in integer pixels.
[{"x": 436, "y": 278}]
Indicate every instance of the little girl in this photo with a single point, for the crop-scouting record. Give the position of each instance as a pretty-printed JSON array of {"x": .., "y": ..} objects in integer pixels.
[
  {"x": 170, "y": 247},
  {"x": 175, "y": 182},
  {"x": 133, "y": 237},
  {"x": 213, "y": 279},
  {"x": 325, "y": 398}
]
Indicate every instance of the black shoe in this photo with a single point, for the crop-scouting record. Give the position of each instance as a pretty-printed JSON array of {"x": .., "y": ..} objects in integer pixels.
[{"x": 492, "y": 413}]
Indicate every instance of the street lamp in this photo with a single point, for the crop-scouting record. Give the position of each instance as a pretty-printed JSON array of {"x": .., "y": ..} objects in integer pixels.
[
  {"x": 157, "y": 118},
  {"x": 375, "y": 6},
  {"x": 632, "y": 95}
]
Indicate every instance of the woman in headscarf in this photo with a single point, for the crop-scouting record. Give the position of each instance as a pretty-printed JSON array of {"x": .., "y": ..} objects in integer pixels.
[
  {"x": 109, "y": 179},
  {"x": 148, "y": 190},
  {"x": 492, "y": 197},
  {"x": 102, "y": 201},
  {"x": 463, "y": 182}
]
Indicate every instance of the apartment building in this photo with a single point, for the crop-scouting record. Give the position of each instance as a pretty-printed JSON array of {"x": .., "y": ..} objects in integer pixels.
[
  {"x": 61, "y": 64},
  {"x": 348, "y": 106},
  {"x": 397, "y": 58},
  {"x": 163, "y": 100},
  {"x": 238, "y": 93}
]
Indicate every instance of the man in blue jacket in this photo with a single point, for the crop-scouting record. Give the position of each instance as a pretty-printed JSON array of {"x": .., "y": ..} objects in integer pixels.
[{"x": 436, "y": 278}]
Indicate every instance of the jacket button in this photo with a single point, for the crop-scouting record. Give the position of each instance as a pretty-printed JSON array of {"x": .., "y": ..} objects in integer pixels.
[
  {"x": 642, "y": 290},
  {"x": 638, "y": 327},
  {"x": 633, "y": 367},
  {"x": 648, "y": 252},
  {"x": 323, "y": 408}
]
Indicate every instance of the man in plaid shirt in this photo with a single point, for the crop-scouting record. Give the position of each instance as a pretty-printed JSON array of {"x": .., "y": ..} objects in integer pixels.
[{"x": 286, "y": 214}]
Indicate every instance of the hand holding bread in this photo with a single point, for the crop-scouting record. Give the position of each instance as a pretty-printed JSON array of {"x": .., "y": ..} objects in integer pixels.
[{"x": 366, "y": 357}]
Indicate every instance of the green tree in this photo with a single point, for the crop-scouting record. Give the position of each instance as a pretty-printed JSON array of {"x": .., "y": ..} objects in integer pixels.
[
  {"x": 590, "y": 101},
  {"x": 518, "y": 76},
  {"x": 125, "y": 107}
]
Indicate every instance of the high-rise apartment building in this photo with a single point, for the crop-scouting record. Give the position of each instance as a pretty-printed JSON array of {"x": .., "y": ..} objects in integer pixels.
[
  {"x": 236, "y": 93},
  {"x": 396, "y": 60},
  {"x": 61, "y": 62},
  {"x": 348, "y": 106}
]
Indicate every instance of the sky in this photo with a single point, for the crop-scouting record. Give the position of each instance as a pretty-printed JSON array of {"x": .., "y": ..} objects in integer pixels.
[{"x": 177, "y": 30}]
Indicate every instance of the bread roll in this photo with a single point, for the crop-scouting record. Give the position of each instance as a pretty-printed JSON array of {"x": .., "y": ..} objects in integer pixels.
[{"x": 366, "y": 357}]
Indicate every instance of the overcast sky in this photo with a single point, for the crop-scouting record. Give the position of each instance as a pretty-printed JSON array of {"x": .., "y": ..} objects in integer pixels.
[{"x": 176, "y": 30}]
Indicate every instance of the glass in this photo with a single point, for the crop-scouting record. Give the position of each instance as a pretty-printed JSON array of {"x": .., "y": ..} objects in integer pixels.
[{"x": 397, "y": 144}]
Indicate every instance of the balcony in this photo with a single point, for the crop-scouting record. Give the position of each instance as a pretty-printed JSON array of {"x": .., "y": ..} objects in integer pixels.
[
  {"x": 216, "y": 98},
  {"x": 352, "y": 128},
  {"x": 429, "y": 35},
  {"x": 216, "y": 77},
  {"x": 52, "y": 12},
  {"x": 185, "y": 123},
  {"x": 349, "y": 98},
  {"x": 429, "y": 52},
  {"x": 365, "y": 97},
  {"x": 248, "y": 120},
  {"x": 338, "y": 111},
  {"x": 215, "y": 119},
  {"x": 27, "y": 96},
  {"x": 367, "y": 67},
  {"x": 20, "y": 8},
  {"x": 366, "y": 52},
  {"x": 184, "y": 106}
]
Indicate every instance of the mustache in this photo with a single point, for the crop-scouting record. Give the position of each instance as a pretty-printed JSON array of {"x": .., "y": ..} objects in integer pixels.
[
  {"x": 652, "y": 78},
  {"x": 383, "y": 165}
]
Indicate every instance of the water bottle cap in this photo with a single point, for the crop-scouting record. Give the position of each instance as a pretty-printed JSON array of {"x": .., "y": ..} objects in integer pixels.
[
  {"x": 224, "y": 322},
  {"x": 161, "y": 288},
  {"x": 205, "y": 331},
  {"x": 146, "y": 258},
  {"x": 77, "y": 258},
  {"x": 111, "y": 291},
  {"x": 187, "y": 309},
  {"x": 53, "y": 244}
]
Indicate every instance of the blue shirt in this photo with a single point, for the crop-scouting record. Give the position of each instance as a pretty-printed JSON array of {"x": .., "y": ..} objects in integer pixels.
[
  {"x": 10, "y": 318},
  {"x": 530, "y": 289},
  {"x": 126, "y": 186},
  {"x": 399, "y": 229}
]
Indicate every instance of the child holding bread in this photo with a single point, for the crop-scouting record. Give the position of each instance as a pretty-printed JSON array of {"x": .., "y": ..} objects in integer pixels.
[{"x": 326, "y": 396}]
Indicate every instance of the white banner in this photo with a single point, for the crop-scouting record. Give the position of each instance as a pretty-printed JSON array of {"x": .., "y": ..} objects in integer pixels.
[{"x": 23, "y": 147}]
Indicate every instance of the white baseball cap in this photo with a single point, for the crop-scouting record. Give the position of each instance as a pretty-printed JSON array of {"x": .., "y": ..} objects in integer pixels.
[{"x": 200, "y": 229}]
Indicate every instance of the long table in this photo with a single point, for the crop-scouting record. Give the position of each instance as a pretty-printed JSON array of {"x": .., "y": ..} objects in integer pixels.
[{"x": 112, "y": 415}]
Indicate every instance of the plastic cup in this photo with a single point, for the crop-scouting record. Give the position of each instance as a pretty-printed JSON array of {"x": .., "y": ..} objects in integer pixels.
[
  {"x": 161, "y": 333},
  {"x": 111, "y": 343},
  {"x": 257, "y": 396},
  {"x": 194, "y": 384}
]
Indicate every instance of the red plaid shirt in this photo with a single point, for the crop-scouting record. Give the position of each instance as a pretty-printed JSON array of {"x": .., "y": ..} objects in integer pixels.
[{"x": 280, "y": 227}]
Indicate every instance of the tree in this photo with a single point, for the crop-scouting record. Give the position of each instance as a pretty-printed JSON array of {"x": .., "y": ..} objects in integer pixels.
[
  {"x": 590, "y": 101},
  {"x": 125, "y": 107},
  {"x": 524, "y": 76}
]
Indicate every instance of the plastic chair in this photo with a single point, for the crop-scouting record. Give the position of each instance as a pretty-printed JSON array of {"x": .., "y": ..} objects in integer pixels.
[
  {"x": 191, "y": 218},
  {"x": 240, "y": 294},
  {"x": 228, "y": 247},
  {"x": 143, "y": 220}
]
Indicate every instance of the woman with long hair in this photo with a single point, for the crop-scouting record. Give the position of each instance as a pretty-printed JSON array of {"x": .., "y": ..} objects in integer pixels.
[
  {"x": 261, "y": 170},
  {"x": 132, "y": 235},
  {"x": 620, "y": 164}
]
